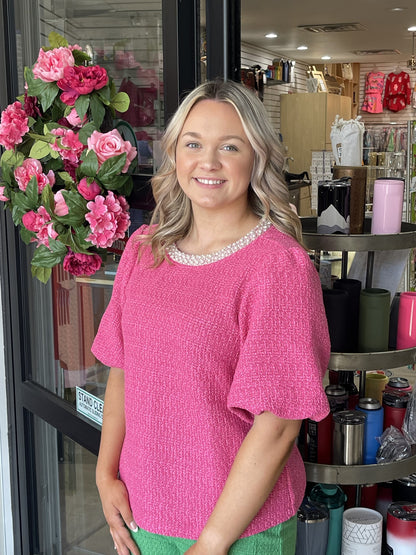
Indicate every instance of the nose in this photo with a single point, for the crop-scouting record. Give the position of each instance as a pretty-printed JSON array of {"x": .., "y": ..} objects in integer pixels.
[{"x": 210, "y": 159}]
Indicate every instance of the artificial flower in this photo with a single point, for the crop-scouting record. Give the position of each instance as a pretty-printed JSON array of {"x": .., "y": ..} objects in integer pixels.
[
  {"x": 51, "y": 64},
  {"x": 88, "y": 190},
  {"x": 13, "y": 126},
  {"x": 62, "y": 178},
  {"x": 80, "y": 80},
  {"x": 107, "y": 145},
  {"x": 80, "y": 264}
]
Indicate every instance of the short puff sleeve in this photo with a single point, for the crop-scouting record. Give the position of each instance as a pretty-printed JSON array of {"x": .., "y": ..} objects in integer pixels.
[
  {"x": 285, "y": 345},
  {"x": 108, "y": 345}
]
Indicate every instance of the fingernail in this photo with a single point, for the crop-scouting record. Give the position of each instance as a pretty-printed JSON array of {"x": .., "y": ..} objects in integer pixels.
[{"x": 133, "y": 526}]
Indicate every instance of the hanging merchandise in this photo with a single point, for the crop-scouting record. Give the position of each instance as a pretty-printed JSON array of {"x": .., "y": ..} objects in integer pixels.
[
  {"x": 347, "y": 141},
  {"x": 397, "y": 94},
  {"x": 373, "y": 91}
]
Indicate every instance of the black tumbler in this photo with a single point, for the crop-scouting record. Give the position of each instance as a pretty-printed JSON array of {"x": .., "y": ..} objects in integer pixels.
[
  {"x": 353, "y": 288},
  {"x": 336, "y": 303}
]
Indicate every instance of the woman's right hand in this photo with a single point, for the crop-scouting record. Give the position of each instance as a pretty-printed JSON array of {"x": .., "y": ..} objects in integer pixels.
[{"x": 117, "y": 512}]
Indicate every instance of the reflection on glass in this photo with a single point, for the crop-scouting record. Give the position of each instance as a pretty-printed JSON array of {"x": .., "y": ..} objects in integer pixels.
[
  {"x": 69, "y": 516},
  {"x": 203, "y": 40},
  {"x": 126, "y": 39}
]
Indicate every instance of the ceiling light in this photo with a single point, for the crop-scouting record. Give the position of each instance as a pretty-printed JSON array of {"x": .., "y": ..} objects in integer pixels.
[
  {"x": 325, "y": 57},
  {"x": 413, "y": 28},
  {"x": 397, "y": 9},
  {"x": 302, "y": 47},
  {"x": 271, "y": 36}
]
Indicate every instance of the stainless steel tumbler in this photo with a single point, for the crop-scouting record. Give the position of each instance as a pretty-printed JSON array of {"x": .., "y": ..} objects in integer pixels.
[{"x": 348, "y": 442}]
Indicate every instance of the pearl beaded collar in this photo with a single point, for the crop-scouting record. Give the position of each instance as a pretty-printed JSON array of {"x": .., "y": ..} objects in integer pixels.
[{"x": 202, "y": 259}]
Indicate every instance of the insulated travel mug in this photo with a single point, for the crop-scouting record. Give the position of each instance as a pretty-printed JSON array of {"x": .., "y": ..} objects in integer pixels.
[
  {"x": 313, "y": 527},
  {"x": 334, "y": 498},
  {"x": 387, "y": 205},
  {"x": 348, "y": 442},
  {"x": 373, "y": 427},
  {"x": 334, "y": 206}
]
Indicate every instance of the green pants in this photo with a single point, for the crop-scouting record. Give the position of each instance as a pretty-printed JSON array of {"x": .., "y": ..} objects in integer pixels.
[{"x": 279, "y": 540}]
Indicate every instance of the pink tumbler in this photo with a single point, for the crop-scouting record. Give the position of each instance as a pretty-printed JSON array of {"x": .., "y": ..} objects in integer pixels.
[
  {"x": 406, "y": 321},
  {"x": 387, "y": 205}
]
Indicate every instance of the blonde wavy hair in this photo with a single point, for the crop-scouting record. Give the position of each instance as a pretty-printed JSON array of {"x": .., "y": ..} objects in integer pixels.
[{"x": 268, "y": 193}]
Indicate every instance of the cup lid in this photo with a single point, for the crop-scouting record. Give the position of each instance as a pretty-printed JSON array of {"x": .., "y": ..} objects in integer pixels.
[
  {"x": 368, "y": 403},
  {"x": 349, "y": 417},
  {"x": 335, "y": 390}
]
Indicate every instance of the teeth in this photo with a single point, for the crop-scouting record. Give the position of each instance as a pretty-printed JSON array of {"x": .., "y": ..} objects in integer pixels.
[{"x": 210, "y": 181}]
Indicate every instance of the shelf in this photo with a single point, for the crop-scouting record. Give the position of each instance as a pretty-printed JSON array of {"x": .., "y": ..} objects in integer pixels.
[
  {"x": 356, "y": 243},
  {"x": 359, "y": 474},
  {"x": 372, "y": 361}
]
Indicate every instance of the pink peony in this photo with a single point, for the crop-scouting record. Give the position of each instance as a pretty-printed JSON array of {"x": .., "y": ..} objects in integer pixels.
[
  {"x": 80, "y": 80},
  {"x": 107, "y": 145},
  {"x": 51, "y": 64},
  {"x": 31, "y": 167},
  {"x": 108, "y": 218},
  {"x": 40, "y": 223},
  {"x": 61, "y": 207},
  {"x": 89, "y": 192},
  {"x": 13, "y": 125},
  {"x": 67, "y": 144},
  {"x": 79, "y": 264},
  {"x": 2, "y": 196}
]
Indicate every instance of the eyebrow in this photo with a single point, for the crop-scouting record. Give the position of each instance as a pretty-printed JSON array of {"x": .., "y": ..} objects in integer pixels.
[{"x": 224, "y": 138}]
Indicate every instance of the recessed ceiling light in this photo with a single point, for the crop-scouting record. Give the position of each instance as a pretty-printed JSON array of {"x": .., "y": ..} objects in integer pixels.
[
  {"x": 271, "y": 35},
  {"x": 325, "y": 57},
  {"x": 412, "y": 28},
  {"x": 302, "y": 47},
  {"x": 397, "y": 9}
]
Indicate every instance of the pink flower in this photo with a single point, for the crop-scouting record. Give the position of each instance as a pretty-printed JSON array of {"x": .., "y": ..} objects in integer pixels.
[
  {"x": 74, "y": 119},
  {"x": 107, "y": 145},
  {"x": 13, "y": 125},
  {"x": 51, "y": 64},
  {"x": 89, "y": 192},
  {"x": 2, "y": 196},
  {"x": 79, "y": 264},
  {"x": 68, "y": 145},
  {"x": 80, "y": 80},
  {"x": 61, "y": 207},
  {"x": 108, "y": 218},
  {"x": 40, "y": 223},
  {"x": 31, "y": 167}
]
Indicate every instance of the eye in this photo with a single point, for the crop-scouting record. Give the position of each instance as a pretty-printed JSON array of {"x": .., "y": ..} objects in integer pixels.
[
  {"x": 230, "y": 148},
  {"x": 192, "y": 145}
]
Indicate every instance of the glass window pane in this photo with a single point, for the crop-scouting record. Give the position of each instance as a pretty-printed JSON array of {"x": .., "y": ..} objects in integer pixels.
[{"x": 69, "y": 516}]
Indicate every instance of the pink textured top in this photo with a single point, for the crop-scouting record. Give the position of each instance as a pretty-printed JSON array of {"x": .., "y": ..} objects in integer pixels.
[{"x": 204, "y": 348}]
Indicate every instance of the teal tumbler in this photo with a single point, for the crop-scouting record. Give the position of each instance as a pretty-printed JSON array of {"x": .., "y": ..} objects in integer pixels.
[{"x": 373, "y": 325}]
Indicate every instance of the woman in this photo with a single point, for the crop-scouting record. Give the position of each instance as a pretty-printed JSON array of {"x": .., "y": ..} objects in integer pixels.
[{"x": 217, "y": 339}]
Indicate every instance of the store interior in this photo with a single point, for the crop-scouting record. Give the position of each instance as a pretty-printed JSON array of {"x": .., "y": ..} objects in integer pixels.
[{"x": 358, "y": 38}]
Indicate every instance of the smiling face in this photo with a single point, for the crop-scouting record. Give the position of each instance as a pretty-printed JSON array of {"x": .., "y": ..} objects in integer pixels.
[{"x": 214, "y": 158}]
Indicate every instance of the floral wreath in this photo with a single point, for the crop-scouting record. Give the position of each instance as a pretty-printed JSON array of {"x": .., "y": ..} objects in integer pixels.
[{"x": 65, "y": 169}]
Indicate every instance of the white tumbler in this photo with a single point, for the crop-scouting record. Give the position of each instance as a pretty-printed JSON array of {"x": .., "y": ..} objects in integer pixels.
[
  {"x": 362, "y": 531},
  {"x": 387, "y": 205}
]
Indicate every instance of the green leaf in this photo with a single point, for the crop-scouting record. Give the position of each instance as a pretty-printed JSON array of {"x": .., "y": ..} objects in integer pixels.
[
  {"x": 77, "y": 207},
  {"x": 11, "y": 159},
  {"x": 89, "y": 166},
  {"x": 97, "y": 110},
  {"x": 121, "y": 102},
  {"x": 75, "y": 241},
  {"x": 85, "y": 132},
  {"x": 48, "y": 257},
  {"x": 123, "y": 184},
  {"x": 112, "y": 167},
  {"x": 32, "y": 192},
  {"x": 35, "y": 87},
  {"x": 81, "y": 105},
  {"x": 42, "y": 274},
  {"x": 80, "y": 57},
  {"x": 26, "y": 235},
  {"x": 48, "y": 95},
  {"x": 39, "y": 150},
  {"x": 47, "y": 199},
  {"x": 66, "y": 178},
  {"x": 56, "y": 40},
  {"x": 105, "y": 95},
  {"x": 22, "y": 204}
]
